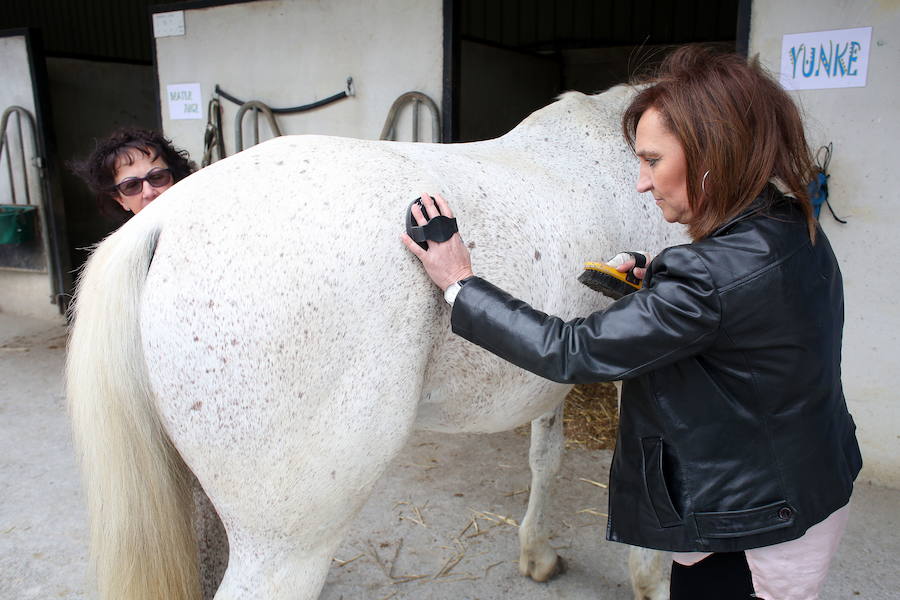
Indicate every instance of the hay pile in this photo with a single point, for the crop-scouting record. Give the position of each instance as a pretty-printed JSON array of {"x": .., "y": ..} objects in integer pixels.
[{"x": 591, "y": 417}]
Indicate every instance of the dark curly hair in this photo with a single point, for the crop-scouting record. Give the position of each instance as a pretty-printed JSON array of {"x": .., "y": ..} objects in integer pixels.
[{"x": 99, "y": 169}]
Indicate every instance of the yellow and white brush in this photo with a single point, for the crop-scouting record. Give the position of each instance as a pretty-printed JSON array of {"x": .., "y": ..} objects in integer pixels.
[{"x": 609, "y": 281}]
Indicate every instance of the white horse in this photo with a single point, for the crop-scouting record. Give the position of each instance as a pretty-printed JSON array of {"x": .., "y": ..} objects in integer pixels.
[{"x": 261, "y": 326}]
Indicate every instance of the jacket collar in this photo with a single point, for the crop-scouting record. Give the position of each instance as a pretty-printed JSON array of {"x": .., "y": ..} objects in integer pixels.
[{"x": 763, "y": 203}]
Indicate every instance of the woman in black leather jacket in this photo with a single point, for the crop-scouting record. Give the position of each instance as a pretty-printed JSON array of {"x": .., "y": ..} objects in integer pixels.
[{"x": 736, "y": 450}]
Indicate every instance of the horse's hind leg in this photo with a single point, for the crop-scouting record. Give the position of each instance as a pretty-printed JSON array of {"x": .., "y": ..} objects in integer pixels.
[
  {"x": 275, "y": 570},
  {"x": 285, "y": 517},
  {"x": 537, "y": 558},
  {"x": 284, "y": 552},
  {"x": 288, "y": 493},
  {"x": 649, "y": 573}
]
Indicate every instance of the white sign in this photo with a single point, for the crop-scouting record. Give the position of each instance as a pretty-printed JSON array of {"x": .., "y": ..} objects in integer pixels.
[
  {"x": 185, "y": 101},
  {"x": 825, "y": 59},
  {"x": 168, "y": 24}
]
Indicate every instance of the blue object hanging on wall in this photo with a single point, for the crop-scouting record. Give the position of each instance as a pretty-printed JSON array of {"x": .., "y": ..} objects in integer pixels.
[
  {"x": 818, "y": 187},
  {"x": 818, "y": 192}
]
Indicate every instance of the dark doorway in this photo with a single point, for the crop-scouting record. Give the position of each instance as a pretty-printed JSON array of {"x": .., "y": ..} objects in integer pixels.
[{"x": 512, "y": 57}]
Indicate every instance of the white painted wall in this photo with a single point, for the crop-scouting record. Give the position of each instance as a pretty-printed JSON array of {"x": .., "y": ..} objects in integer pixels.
[
  {"x": 293, "y": 52},
  {"x": 23, "y": 293},
  {"x": 864, "y": 124}
]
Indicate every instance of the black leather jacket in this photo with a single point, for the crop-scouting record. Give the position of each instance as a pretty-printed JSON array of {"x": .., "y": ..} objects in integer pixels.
[{"x": 733, "y": 431}]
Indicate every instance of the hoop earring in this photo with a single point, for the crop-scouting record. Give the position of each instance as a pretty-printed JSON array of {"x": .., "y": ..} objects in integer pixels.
[{"x": 703, "y": 182}]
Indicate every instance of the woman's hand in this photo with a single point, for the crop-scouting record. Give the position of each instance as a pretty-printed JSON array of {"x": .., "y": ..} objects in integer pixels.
[
  {"x": 445, "y": 262},
  {"x": 624, "y": 262}
]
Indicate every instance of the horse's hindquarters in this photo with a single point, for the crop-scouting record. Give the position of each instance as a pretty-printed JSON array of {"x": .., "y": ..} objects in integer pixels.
[
  {"x": 270, "y": 425},
  {"x": 284, "y": 406}
]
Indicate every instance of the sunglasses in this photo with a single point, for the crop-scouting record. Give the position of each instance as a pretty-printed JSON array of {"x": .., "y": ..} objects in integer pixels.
[{"x": 134, "y": 185}]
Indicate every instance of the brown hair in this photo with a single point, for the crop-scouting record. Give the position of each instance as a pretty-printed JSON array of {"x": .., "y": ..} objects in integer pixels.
[{"x": 733, "y": 120}]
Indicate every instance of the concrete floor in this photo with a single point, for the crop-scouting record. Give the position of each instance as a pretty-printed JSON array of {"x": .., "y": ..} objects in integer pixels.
[{"x": 414, "y": 525}]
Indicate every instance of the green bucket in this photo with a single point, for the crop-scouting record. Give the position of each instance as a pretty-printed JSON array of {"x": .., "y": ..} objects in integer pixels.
[{"x": 17, "y": 224}]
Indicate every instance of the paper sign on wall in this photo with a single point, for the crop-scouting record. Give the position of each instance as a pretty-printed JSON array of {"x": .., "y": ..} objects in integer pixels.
[
  {"x": 185, "y": 101},
  {"x": 825, "y": 59},
  {"x": 168, "y": 24}
]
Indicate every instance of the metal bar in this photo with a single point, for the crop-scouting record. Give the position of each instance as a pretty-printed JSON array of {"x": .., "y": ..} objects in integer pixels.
[
  {"x": 255, "y": 126},
  {"x": 9, "y": 169},
  {"x": 416, "y": 102},
  {"x": 390, "y": 123},
  {"x": 22, "y": 155},
  {"x": 239, "y": 117}
]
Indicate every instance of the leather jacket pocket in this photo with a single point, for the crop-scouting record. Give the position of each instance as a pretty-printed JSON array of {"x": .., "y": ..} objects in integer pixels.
[
  {"x": 740, "y": 523},
  {"x": 655, "y": 482}
]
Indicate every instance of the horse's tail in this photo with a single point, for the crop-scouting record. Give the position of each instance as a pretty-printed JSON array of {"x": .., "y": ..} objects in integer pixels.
[{"x": 136, "y": 485}]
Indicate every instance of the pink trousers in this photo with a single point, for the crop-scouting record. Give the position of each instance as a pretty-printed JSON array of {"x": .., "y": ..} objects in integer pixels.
[{"x": 792, "y": 570}]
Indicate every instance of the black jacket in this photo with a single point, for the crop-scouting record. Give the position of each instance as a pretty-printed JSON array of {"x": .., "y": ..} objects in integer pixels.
[{"x": 733, "y": 431}]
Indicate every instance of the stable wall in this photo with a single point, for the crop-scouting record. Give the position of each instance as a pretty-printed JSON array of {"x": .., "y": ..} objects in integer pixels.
[
  {"x": 864, "y": 124},
  {"x": 22, "y": 293},
  {"x": 293, "y": 52}
]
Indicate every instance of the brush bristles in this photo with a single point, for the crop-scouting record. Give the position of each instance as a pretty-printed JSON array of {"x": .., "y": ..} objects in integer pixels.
[{"x": 607, "y": 285}]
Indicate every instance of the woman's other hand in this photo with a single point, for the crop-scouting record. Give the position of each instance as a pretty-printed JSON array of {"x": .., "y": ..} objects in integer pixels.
[
  {"x": 445, "y": 262},
  {"x": 624, "y": 262}
]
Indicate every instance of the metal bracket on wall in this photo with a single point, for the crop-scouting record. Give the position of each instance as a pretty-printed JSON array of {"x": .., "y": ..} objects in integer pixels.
[
  {"x": 36, "y": 161},
  {"x": 257, "y": 107},
  {"x": 389, "y": 131},
  {"x": 29, "y": 254}
]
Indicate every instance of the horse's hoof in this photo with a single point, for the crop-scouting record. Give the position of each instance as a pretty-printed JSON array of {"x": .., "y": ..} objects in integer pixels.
[{"x": 545, "y": 573}]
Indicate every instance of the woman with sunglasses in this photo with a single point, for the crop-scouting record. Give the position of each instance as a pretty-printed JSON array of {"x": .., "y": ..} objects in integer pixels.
[{"x": 133, "y": 166}]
